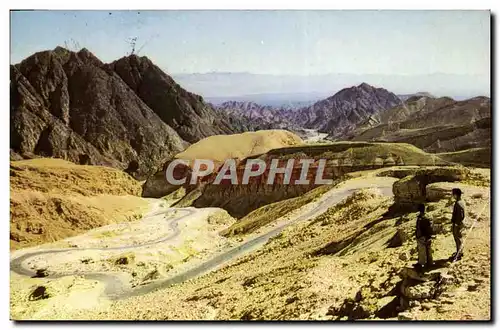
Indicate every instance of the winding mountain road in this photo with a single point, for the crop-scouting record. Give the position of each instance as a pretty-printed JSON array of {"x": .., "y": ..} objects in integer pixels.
[{"x": 115, "y": 288}]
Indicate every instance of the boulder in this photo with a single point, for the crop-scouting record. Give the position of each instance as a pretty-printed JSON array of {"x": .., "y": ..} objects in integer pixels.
[
  {"x": 39, "y": 293},
  {"x": 42, "y": 272},
  {"x": 425, "y": 290},
  {"x": 409, "y": 190},
  {"x": 442, "y": 190}
]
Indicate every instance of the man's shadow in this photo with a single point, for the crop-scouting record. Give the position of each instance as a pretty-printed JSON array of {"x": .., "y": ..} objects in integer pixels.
[{"x": 437, "y": 264}]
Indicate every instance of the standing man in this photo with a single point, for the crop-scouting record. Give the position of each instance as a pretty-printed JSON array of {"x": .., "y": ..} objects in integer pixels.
[
  {"x": 457, "y": 221},
  {"x": 424, "y": 236}
]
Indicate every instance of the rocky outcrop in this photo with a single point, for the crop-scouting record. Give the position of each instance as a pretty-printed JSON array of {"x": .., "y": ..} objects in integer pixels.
[
  {"x": 420, "y": 188},
  {"x": 240, "y": 199},
  {"x": 416, "y": 286},
  {"x": 409, "y": 190},
  {"x": 70, "y": 105},
  {"x": 156, "y": 185}
]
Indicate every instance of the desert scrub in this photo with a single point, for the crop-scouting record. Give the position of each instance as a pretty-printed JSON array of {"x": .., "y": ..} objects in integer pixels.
[{"x": 123, "y": 259}]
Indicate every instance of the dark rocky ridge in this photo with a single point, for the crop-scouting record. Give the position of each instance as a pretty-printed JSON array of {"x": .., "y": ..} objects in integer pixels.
[
  {"x": 71, "y": 105},
  {"x": 340, "y": 113},
  {"x": 184, "y": 111}
]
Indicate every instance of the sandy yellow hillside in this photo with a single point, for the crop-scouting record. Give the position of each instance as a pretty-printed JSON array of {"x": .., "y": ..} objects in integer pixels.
[
  {"x": 219, "y": 148},
  {"x": 354, "y": 261},
  {"x": 51, "y": 199},
  {"x": 222, "y": 147}
]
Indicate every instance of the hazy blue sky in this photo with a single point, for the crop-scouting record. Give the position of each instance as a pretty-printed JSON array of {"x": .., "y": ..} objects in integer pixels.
[{"x": 273, "y": 42}]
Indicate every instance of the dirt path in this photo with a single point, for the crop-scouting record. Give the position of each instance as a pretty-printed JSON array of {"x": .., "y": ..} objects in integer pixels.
[{"x": 115, "y": 288}]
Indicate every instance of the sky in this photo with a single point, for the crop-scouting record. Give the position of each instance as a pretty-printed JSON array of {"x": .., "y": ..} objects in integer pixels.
[{"x": 269, "y": 42}]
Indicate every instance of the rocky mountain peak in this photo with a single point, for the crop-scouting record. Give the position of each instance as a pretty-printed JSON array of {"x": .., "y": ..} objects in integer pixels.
[
  {"x": 365, "y": 86},
  {"x": 88, "y": 57},
  {"x": 184, "y": 111},
  {"x": 340, "y": 113}
]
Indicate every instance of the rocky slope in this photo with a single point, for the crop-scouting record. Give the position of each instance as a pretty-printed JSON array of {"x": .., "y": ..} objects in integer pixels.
[
  {"x": 180, "y": 109},
  {"x": 352, "y": 262},
  {"x": 340, "y": 113},
  {"x": 433, "y": 124},
  {"x": 125, "y": 114}
]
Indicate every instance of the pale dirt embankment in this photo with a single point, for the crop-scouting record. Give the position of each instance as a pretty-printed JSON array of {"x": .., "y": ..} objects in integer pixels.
[
  {"x": 222, "y": 147},
  {"x": 51, "y": 199}
]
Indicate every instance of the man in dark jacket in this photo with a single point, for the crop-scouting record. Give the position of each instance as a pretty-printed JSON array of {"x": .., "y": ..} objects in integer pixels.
[
  {"x": 424, "y": 234},
  {"x": 457, "y": 222}
]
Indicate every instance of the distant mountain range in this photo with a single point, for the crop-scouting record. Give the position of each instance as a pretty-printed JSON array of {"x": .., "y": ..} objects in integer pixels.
[
  {"x": 259, "y": 116},
  {"x": 280, "y": 100},
  {"x": 131, "y": 115},
  {"x": 336, "y": 115},
  {"x": 277, "y": 90},
  {"x": 368, "y": 113}
]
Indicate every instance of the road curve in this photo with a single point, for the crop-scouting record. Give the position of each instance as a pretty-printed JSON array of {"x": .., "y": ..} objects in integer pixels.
[
  {"x": 116, "y": 289},
  {"x": 16, "y": 264}
]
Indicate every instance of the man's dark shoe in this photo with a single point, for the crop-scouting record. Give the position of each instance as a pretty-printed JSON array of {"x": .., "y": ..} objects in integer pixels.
[{"x": 455, "y": 257}]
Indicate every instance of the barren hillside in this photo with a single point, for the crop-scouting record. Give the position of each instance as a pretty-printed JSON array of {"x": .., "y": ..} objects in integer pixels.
[
  {"x": 51, "y": 199},
  {"x": 352, "y": 262}
]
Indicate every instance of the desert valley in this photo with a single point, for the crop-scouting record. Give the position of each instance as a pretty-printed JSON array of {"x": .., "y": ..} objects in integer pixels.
[{"x": 98, "y": 233}]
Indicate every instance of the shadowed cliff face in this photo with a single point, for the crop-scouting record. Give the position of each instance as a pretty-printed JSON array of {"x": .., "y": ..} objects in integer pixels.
[
  {"x": 240, "y": 199},
  {"x": 71, "y": 105}
]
